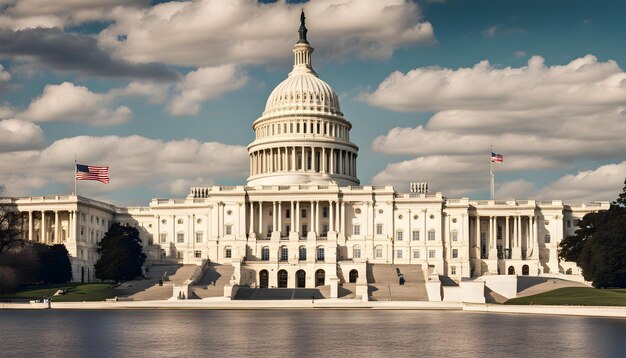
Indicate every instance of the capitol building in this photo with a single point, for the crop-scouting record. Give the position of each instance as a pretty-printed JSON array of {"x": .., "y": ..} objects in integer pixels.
[{"x": 303, "y": 219}]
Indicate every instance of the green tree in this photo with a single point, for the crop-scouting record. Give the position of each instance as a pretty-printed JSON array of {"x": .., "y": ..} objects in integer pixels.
[
  {"x": 599, "y": 245},
  {"x": 121, "y": 254},
  {"x": 54, "y": 263}
]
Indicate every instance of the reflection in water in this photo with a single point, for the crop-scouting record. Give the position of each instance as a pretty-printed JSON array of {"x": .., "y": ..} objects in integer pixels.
[{"x": 297, "y": 333}]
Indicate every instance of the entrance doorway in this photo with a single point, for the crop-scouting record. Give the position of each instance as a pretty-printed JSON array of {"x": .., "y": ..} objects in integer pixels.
[
  {"x": 282, "y": 279},
  {"x": 354, "y": 274},
  {"x": 320, "y": 278},
  {"x": 301, "y": 279},
  {"x": 511, "y": 270},
  {"x": 263, "y": 279},
  {"x": 525, "y": 270}
]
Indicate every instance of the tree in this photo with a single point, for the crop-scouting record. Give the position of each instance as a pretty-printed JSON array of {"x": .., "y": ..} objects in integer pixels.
[
  {"x": 54, "y": 263},
  {"x": 599, "y": 245},
  {"x": 10, "y": 229},
  {"x": 121, "y": 254}
]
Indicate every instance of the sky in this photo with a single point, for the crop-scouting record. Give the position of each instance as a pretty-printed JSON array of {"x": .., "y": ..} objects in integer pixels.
[{"x": 165, "y": 92}]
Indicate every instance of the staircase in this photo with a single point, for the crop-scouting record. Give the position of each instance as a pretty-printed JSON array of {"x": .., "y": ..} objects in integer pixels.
[
  {"x": 384, "y": 285},
  {"x": 212, "y": 283},
  {"x": 151, "y": 290}
]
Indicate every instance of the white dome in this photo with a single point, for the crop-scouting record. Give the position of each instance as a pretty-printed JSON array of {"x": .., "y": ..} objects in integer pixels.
[{"x": 302, "y": 92}]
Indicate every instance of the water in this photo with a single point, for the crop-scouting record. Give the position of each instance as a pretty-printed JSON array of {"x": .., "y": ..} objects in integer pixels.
[{"x": 302, "y": 333}]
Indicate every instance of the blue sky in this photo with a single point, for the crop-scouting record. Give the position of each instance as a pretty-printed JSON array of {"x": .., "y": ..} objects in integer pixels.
[{"x": 166, "y": 92}]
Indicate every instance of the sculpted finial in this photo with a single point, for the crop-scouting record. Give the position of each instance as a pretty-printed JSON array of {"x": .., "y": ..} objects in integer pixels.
[{"x": 303, "y": 29}]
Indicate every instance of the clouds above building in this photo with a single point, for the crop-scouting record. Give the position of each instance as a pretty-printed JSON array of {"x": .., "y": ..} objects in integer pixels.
[
  {"x": 135, "y": 161},
  {"x": 541, "y": 117}
]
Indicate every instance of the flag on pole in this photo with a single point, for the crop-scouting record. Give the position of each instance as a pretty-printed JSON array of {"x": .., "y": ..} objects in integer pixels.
[
  {"x": 90, "y": 172},
  {"x": 496, "y": 158}
]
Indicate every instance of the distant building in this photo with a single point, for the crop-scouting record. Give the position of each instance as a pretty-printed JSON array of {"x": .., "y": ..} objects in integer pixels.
[{"x": 303, "y": 220}]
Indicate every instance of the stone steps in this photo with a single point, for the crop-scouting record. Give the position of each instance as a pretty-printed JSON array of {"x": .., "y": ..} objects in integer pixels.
[
  {"x": 212, "y": 283},
  {"x": 384, "y": 283}
]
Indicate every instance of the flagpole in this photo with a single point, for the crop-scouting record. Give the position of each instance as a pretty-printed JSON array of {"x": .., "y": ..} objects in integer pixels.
[
  {"x": 75, "y": 163},
  {"x": 492, "y": 178}
]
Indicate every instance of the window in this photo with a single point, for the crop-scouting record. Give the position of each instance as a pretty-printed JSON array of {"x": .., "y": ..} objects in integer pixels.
[
  {"x": 324, "y": 230},
  {"x": 180, "y": 238},
  {"x": 229, "y": 229},
  {"x": 199, "y": 237},
  {"x": 163, "y": 237},
  {"x": 398, "y": 254},
  {"x": 431, "y": 235},
  {"x": 455, "y": 235},
  {"x": 197, "y": 254},
  {"x": 357, "y": 230},
  {"x": 265, "y": 253},
  {"x": 288, "y": 213},
  {"x": 546, "y": 222},
  {"x": 304, "y": 213},
  {"x": 455, "y": 253},
  {"x": 179, "y": 255},
  {"x": 284, "y": 253},
  {"x": 416, "y": 235},
  {"x": 378, "y": 253},
  {"x": 305, "y": 229},
  {"x": 452, "y": 270},
  {"x": 416, "y": 254},
  {"x": 302, "y": 253},
  {"x": 320, "y": 254},
  {"x": 269, "y": 230},
  {"x": 97, "y": 220},
  {"x": 228, "y": 252},
  {"x": 569, "y": 223},
  {"x": 431, "y": 254},
  {"x": 325, "y": 212},
  {"x": 399, "y": 235},
  {"x": 454, "y": 220},
  {"x": 546, "y": 239},
  {"x": 356, "y": 252},
  {"x": 379, "y": 229}
]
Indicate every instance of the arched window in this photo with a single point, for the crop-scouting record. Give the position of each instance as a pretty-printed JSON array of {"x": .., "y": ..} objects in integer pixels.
[
  {"x": 284, "y": 253},
  {"x": 282, "y": 279},
  {"x": 320, "y": 253},
  {"x": 302, "y": 253},
  {"x": 265, "y": 253},
  {"x": 320, "y": 278},
  {"x": 354, "y": 274}
]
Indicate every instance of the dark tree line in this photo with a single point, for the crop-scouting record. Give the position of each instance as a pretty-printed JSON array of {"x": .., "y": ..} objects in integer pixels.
[
  {"x": 24, "y": 262},
  {"x": 599, "y": 245}
]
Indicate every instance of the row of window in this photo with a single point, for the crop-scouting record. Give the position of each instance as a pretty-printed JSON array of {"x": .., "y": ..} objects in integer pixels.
[
  {"x": 324, "y": 128},
  {"x": 284, "y": 253}
]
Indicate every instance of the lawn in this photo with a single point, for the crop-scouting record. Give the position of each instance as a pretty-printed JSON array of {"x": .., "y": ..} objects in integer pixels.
[
  {"x": 75, "y": 292},
  {"x": 576, "y": 296}
]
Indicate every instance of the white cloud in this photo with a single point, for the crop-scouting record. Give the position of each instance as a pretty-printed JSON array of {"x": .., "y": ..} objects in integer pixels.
[
  {"x": 516, "y": 189},
  {"x": 603, "y": 183},
  {"x": 204, "y": 84},
  {"x": 19, "y": 135},
  {"x": 60, "y": 13},
  {"x": 248, "y": 32},
  {"x": 134, "y": 162},
  {"x": 538, "y": 116},
  {"x": 519, "y": 54},
  {"x": 71, "y": 103}
]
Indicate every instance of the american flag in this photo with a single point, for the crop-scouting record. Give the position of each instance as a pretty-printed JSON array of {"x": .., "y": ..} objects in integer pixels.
[
  {"x": 90, "y": 172},
  {"x": 496, "y": 158}
]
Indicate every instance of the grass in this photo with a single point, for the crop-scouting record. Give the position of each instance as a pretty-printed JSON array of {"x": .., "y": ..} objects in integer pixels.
[
  {"x": 76, "y": 292},
  {"x": 575, "y": 296}
]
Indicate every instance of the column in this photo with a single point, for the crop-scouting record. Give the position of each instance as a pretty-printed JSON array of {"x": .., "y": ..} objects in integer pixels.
[
  {"x": 274, "y": 221},
  {"x": 42, "y": 226},
  {"x": 323, "y": 160},
  {"x": 507, "y": 244},
  {"x": 280, "y": 219},
  {"x": 261, "y": 218},
  {"x": 30, "y": 225},
  {"x": 302, "y": 158},
  {"x": 478, "y": 241},
  {"x": 293, "y": 159},
  {"x": 292, "y": 223},
  {"x": 311, "y": 220},
  {"x": 342, "y": 222},
  {"x": 56, "y": 226},
  {"x": 317, "y": 217},
  {"x": 331, "y": 218},
  {"x": 297, "y": 215},
  {"x": 251, "y": 217},
  {"x": 332, "y": 161}
]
